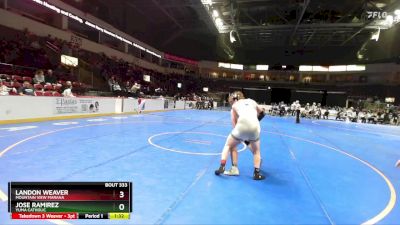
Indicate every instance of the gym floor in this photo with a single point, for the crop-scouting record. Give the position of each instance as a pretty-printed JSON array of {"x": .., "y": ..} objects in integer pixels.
[{"x": 318, "y": 172}]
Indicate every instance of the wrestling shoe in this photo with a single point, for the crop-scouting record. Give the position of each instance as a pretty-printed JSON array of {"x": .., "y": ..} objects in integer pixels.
[
  {"x": 234, "y": 171},
  {"x": 220, "y": 170},
  {"x": 258, "y": 176}
]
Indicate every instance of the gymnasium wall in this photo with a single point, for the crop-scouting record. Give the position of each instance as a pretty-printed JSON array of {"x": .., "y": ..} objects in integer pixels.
[
  {"x": 258, "y": 94},
  {"x": 23, "y": 108},
  {"x": 307, "y": 96}
]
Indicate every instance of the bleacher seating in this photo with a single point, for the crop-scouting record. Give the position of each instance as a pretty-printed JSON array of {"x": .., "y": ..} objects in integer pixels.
[
  {"x": 29, "y": 60},
  {"x": 48, "y": 87},
  {"x": 16, "y": 78},
  {"x": 29, "y": 79},
  {"x": 39, "y": 93},
  {"x": 48, "y": 93},
  {"x": 16, "y": 85},
  {"x": 38, "y": 86}
]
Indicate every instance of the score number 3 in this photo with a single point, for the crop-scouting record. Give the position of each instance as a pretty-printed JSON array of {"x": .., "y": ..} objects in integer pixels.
[{"x": 121, "y": 195}]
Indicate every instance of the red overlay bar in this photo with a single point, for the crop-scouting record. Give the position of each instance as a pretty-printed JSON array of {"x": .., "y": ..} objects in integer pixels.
[{"x": 44, "y": 216}]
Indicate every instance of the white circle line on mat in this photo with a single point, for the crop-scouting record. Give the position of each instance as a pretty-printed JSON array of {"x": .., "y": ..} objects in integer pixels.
[{"x": 150, "y": 140}]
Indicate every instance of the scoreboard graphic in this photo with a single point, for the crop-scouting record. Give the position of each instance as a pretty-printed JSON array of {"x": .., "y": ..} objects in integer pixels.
[{"x": 69, "y": 200}]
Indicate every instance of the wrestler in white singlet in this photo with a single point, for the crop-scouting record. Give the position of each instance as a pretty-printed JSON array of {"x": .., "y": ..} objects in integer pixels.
[{"x": 247, "y": 127}]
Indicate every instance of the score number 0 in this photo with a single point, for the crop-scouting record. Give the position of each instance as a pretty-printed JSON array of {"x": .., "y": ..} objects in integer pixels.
[{"x": 121, "y": 195}]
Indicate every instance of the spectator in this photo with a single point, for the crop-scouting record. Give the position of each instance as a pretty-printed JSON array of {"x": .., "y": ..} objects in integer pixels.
[
  {"x": 26, "y": 89},
  {"x": 50, "y": 78},
  {"x": 395, "y": 116},
  {"x": 326, "y": 114},
  {"x": 68, "y": 90},
  {"x": 158, "y": 90},
  {"x": 127, "y": 86},
  {"x": 113, "y": 84},
  {"x": 4, "y": 90},
  {"x": 116, "y": 88},
  {"x": 39, "y": 77},
  {"x": 135, "y": 88}
]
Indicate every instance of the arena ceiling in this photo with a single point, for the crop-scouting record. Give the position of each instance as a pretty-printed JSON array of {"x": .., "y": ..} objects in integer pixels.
[{"x": 264, "y": 29}]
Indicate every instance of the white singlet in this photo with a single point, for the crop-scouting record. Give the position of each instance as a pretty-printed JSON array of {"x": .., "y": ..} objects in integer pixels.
[{"x": 247, "y": 127}]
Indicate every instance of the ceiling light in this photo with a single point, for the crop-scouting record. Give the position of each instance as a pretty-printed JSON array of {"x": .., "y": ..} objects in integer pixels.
[
  {"x": 380, "y": 5},
  {"x": 305, "y": 68},
  {"x": 320, "y": 68},
  {"x": 219, "y": 22},
  {"x": 232, "y": 37},
  {"x": 375, "y": 36},
  {"x": 215, "y": 13},
  {"x": 355, "y": 67},
  {"x": 389, "y": 20},
  {"x": 206, "y": 2},
  {"x": 262, "y": 67},
  {"x": 337, "y": 68}
]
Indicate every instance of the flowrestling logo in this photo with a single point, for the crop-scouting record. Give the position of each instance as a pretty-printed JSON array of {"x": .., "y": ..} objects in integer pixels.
[
  {"x": 383, "y": 15},
  {"x": 376, "y": 15},
  {"x": 384, "y": 19}
]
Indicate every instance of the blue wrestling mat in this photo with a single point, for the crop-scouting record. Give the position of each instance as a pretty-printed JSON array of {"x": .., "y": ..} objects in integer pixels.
[{"x": 318, "y": 172}]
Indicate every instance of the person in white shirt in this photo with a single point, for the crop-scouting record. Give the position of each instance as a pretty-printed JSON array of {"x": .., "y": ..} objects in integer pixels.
[
  {"x": 135, "y": 88},
  {"x": 246, "y": 128},
  {"x": 68, "y": 90},
  {"x": 314, "y": 107},
  {"x": 293, "y": 108},
  {"x": 350, "y": 114},
  {"x": 361, "y": 117},
  {"x": 4, "y": 90},
  {"x": 39, "y": 77}
]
